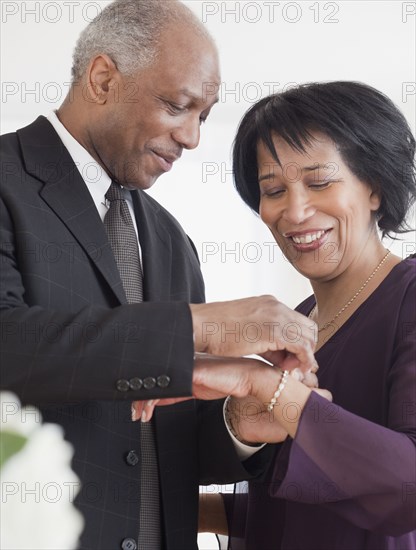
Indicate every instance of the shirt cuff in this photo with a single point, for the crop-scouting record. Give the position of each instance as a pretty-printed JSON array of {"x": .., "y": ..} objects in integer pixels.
[{"x": 243, "y": 451}]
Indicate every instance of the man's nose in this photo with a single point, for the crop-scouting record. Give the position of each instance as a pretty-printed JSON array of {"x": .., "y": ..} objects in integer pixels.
[{"x": 187, "y": 134}]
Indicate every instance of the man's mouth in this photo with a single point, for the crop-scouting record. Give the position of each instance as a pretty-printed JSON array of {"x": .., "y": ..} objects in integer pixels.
[{"x": 166, "y": 160}]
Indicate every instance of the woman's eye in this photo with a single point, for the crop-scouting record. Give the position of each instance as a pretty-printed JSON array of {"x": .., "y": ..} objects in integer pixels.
[
  {"x": 273, "y": 192},
  {"x": 320, "y": 184}
]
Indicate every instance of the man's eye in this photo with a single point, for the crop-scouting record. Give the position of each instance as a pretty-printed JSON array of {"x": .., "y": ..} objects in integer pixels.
[{"x": 176, "y": 108}]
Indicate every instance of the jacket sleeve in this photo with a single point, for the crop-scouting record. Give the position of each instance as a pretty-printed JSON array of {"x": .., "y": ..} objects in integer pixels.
[{"x": 96, "y": 353}]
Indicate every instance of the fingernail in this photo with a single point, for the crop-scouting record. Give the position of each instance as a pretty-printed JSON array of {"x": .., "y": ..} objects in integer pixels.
[
  {"x": 144, "y": 416},
  {"x": 133, "y": 413},
  {"x": 150, "y": 403}
]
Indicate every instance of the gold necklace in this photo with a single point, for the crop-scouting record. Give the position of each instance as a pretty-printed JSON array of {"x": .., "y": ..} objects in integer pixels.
[{"x": 350, "y": 301}]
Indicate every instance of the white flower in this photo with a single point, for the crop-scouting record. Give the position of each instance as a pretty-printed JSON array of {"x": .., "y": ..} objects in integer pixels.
[{"x": 38, "y": 486}]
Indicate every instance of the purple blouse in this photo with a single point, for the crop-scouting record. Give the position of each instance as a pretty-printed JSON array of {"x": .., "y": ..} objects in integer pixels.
[{"x": 348, "y": 479}]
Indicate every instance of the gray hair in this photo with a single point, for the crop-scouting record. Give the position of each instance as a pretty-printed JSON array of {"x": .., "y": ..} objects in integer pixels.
[{"x": 128, "y": 31}]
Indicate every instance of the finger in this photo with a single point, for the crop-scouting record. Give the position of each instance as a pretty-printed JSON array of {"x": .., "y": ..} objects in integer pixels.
[
  {"x": 307, "y": 361},
  {"x": 311, "y": 380},
  {"x": 306, "y": 358},
  {"x": 149, "y": 407},
  {"x": 136, "y": 410},
  {"x": 297, "y": 374},
  {"x": 274, "y": 357},
  {"x": 296, "y": 331},
  {"x": 298, "y": 349},
  {"x": 292, "y": 362}
]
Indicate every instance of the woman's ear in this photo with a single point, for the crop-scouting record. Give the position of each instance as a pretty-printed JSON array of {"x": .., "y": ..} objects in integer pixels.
[
  {"x": 102, "y": 75},
  {"x": 375, "y": 200}
]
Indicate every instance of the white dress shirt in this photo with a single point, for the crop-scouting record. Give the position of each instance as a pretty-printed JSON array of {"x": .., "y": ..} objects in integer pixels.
[{"x": 95, "y": 177}]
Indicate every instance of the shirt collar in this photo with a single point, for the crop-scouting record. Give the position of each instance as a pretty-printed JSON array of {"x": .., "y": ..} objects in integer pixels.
[{"x": 94, "y": 176}]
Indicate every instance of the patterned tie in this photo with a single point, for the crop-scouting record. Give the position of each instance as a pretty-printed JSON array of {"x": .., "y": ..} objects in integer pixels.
[{"x": 123, "y": 240}]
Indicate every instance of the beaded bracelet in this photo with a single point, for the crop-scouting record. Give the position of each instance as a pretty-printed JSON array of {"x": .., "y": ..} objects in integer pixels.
[{"x": 279, "y": 390}]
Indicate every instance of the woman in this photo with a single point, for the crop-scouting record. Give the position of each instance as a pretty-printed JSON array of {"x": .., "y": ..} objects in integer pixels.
[{"x": 326, "y": 166}]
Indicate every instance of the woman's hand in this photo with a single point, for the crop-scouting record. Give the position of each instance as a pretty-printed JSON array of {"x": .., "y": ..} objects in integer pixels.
[{"x": 253, "y": 423}]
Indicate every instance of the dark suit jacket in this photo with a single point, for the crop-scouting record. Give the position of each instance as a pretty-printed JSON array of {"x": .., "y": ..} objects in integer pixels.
[{"x": 68, "y": 337}]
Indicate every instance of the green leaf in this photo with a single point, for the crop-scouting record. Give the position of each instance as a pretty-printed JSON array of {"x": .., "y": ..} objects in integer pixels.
[{"x": 10, "y": 444}]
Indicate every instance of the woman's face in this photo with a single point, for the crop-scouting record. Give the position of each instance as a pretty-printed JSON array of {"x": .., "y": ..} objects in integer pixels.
[{"x": 321, "y": 215}]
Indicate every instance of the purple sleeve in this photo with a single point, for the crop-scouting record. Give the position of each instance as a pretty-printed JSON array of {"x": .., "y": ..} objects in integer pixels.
[{"x": 363, "y": 471}]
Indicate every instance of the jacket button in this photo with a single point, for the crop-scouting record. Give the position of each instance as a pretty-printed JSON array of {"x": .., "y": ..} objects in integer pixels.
[
  {"x": 132, "y": 459},
  {"x": 122, "y": 385},
  {"x": 136, "y": 384},
  {"x": 129, "y": 544},
  {"x": 149, "y": 383},
  {"x": 163, "y": 381}
]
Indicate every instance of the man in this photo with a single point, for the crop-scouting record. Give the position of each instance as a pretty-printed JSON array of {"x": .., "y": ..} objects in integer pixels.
[{"x": 145, "y": 76}]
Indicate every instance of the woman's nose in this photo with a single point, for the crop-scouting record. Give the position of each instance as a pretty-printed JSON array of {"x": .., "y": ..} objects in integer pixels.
[{"x": 297, "y": 207}]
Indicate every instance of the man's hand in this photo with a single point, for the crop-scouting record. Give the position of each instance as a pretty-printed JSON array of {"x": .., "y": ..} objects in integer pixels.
[
  {"x": 261, "y": 326},
  {"x": 218, "y": 377},
  {"x": 213, "y": 378}
]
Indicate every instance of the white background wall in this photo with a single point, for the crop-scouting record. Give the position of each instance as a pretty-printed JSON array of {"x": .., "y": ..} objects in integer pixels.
[{"x": 265, "y": 46}]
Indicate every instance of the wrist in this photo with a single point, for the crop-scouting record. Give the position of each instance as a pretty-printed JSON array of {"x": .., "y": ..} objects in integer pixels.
[
  {"x": 198, "y": 328},
  {"x": 232, "y": 420},
  {"x": 264, "y": 382},
  {"x": 279, "y": 390},
  {"x": 288, "y": 408}
]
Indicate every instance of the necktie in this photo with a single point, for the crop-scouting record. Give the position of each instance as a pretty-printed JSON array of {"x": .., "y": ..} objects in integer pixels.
[{"x": 123, "y": 240}]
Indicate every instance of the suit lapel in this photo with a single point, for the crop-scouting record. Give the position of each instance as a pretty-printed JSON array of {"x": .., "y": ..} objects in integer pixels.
[
  {"x": 67, "y": 195},
  {"x": 156, "y": 250}
]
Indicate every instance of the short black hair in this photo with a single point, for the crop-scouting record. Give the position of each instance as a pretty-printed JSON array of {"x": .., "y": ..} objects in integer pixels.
[{"x": 372, "y": 135}]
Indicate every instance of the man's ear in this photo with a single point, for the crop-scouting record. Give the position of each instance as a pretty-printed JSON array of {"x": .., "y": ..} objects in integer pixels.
[{"x": 102, "y": 77}]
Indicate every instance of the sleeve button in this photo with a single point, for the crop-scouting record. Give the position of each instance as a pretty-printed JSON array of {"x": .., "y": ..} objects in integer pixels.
[
  {"x": 122, "y": 385},
  {"x": 163, "y": 381},
  {"x": 136, "y": 384},
  {"x": 149, "y": 383}
]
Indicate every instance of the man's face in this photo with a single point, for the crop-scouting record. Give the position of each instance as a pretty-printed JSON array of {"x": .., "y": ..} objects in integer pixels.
[{"x": 150, "y": 118}]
